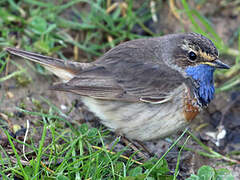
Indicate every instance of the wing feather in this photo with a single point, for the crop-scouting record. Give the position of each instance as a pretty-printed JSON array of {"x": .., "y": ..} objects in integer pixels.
[
  {"x": 148, "y": 83},
  {"x": 128, "y": 72}
]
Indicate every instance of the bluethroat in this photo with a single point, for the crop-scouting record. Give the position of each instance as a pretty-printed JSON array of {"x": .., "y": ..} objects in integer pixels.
[{"x": 143, "y": 89}]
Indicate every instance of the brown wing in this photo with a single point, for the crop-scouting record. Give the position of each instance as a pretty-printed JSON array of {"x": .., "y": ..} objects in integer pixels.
[
  {"x": 96, "y": 82},
  {"x": 129, "y": 72},
  {"x": 129, "y": 82},
  {"x": 150, "y": 82}
]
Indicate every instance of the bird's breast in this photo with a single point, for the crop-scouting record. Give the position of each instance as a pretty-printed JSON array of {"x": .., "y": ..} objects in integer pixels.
[
  {"x": 145, "y": 121},
  {"x": 191, "y": 108}
]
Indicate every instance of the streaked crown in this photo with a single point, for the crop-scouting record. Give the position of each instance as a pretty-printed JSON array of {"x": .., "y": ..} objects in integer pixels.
[
  {"x": 194, "y": 49},
  {"x": 198, "y": 57}
]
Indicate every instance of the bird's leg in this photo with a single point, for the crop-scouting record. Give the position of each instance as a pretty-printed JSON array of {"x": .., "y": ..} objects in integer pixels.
[
  {"x": 145, "y": 148},
  {"x": 135, "y": 147}
]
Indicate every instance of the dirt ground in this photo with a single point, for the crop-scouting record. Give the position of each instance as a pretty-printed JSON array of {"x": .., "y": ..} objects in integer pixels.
[{"x": 224, "y": 110}]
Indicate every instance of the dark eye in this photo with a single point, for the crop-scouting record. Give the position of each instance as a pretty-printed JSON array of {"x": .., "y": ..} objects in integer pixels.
[{"x": 192, "y": 56}]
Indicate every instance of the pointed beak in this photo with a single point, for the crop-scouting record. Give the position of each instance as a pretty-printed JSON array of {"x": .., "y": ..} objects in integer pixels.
[{"x": 217, "y": 64}]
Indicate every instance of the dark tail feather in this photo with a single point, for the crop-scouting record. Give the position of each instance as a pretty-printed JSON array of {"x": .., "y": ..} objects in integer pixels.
[{"x": 64, "y": 69}]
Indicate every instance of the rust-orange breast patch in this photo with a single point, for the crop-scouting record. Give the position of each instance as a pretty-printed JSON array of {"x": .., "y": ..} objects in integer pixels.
[{"x": 190, "y": 111}]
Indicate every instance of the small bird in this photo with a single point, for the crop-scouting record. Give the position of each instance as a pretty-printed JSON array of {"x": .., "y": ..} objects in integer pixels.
[{"x": 143, "y": 89}]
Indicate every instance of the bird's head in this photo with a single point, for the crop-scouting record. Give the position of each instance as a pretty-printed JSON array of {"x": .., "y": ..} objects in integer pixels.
[
  {"x": 197, "y": 57},
  {"x": 194, "y": 49}
]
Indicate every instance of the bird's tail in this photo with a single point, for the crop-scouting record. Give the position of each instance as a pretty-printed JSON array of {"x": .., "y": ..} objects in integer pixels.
[{"x": 66, "y": 70}]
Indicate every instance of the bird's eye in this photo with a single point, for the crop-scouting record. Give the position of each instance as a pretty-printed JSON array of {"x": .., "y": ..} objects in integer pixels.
[{"x": 192, "y": 56}]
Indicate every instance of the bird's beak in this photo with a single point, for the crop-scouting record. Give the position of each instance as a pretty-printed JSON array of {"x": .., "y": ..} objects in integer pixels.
[{"x": 217, "y": 64}]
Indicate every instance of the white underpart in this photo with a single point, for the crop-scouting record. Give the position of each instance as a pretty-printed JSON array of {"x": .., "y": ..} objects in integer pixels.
[{"x": 141, "y": 121}]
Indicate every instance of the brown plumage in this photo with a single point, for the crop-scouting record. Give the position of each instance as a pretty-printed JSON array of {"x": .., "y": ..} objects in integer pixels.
[{"x": 139, "y": 88}]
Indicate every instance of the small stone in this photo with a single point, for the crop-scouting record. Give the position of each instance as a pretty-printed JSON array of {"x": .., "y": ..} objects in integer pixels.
[
  {"x": 221, "y": 134},
  {"x": 16, "y": 128},
  {"x": 10, "y": 95},
  {"x": 4, "y": 116},
  {"x": 63, "y": 107}
]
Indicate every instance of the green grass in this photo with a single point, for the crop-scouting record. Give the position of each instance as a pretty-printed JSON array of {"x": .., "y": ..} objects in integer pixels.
[
  {"x": 72, "y": 154},
  {"x": 69, "y": 150},
  {"x": 42, "y": 30}
]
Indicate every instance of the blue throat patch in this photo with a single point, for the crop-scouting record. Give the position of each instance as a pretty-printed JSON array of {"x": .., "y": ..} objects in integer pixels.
[{"x": 203, "y": 74}]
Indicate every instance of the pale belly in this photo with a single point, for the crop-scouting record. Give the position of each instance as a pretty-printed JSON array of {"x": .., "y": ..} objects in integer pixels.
[{"x": 141, "y": 121}]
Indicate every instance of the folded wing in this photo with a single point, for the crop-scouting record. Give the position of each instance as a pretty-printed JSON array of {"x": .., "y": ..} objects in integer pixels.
[{"x": 125, "y": 81}]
